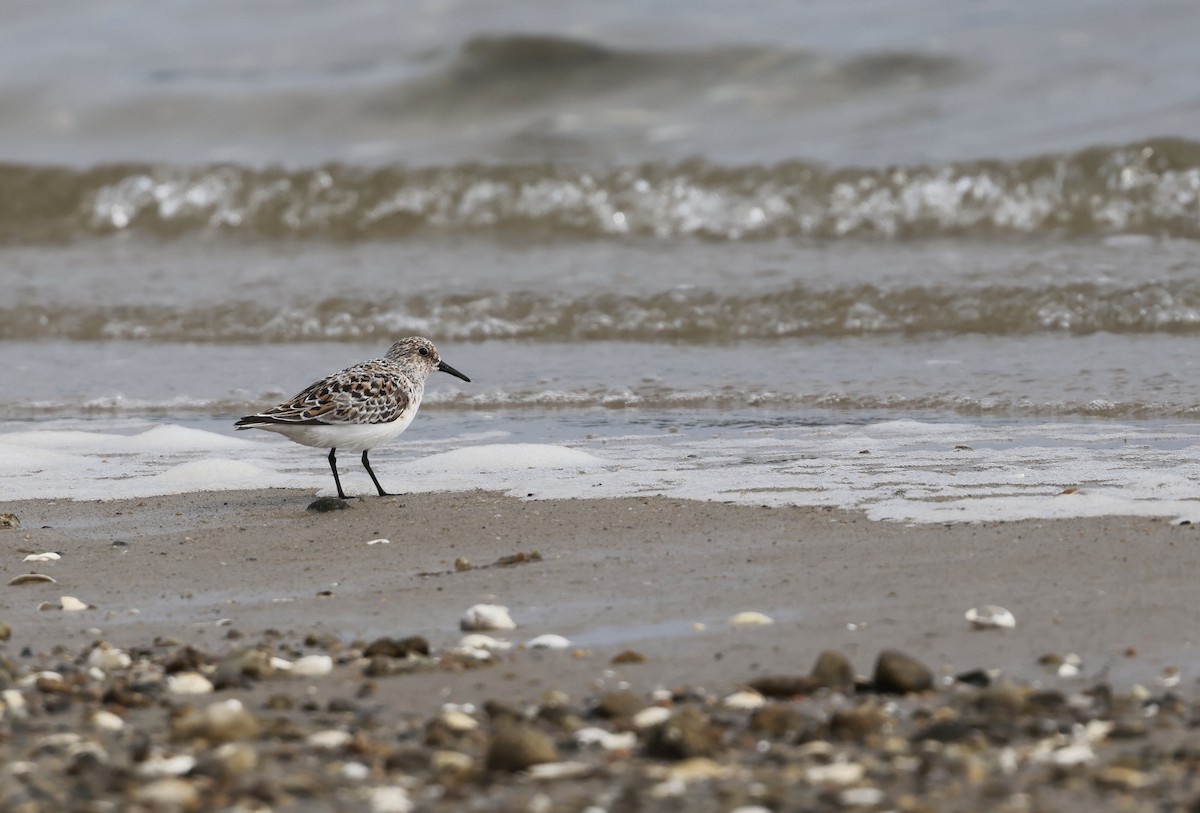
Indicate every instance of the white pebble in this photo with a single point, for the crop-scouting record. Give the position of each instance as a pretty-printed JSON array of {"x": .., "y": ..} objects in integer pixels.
[
  {"x": 108, "y": 657},
  {"x": 990, "y": 616},
  {"x": 281, "y": 664},
  {"x": 158, "y": 765},
  {"x": 107, "y": 721},
  {"x": 561, "y": 770},
  {"x": 189, "y": 683},
  {"x": 750, "y": 619},
  {"x": 1077, "y": 754},
  {"x": 313, "y": 666},
  {"x": 48, "y": 556},
  {"x": 379, "y": 541},
  {"x": 744, "y": 700},
  {"x": 14, "y": 704},
  {"x": 606, "y": 739},
  {"x": 391, "y": 799},
  {"x": 835, "y": 773},
  {"x": 330, "y": 738},
  {"x": 548, "y": 641},
  {"x": 355, "y": 771},
  {"x": 70, "y": 604},
  {"x": 651, "y": 716},
  {"x": 31, "y": 679},
  {"x": 861, "y": 797},
  {"x": 487, "y": 617},
  {"x": 459, "y": 721}
]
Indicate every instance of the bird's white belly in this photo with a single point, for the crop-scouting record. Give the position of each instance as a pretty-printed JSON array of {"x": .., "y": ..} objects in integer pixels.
[{"x": 356, "y": 437}]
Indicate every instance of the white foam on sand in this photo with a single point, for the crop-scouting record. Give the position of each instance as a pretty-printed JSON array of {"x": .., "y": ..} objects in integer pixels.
[{"x": 893, "y": 470}]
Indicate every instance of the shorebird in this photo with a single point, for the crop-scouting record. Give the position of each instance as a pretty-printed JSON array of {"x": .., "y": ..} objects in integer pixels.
[{"x": 360, "y": 407}]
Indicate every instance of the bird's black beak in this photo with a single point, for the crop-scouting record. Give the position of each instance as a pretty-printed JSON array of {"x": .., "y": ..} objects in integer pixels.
[{"x": 446, "y": 368}]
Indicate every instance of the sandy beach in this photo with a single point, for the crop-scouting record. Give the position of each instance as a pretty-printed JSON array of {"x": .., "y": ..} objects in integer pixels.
[{"x": 214, "y": 575}]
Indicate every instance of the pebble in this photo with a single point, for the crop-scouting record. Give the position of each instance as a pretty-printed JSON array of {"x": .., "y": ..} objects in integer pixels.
[
  {"x": 70, "y": 604},
  {"x": 484, "y": 617},
  {"x": 517, "y": 746},
  {"x": 189, "y": 683},
  {"x": 607, "y": 740},
  {"x": 109, "y": 658},
  {"x": 617, "y": 705},
  {"x": 548, "y": 641},
  {"x": 833, "y": 670},
  {"x": 323, "y": 505},
  {"x": 329, "y": 738},
  {"x": 484, "y": 642},
  {"x": 861, "y": 797},
  {"x": 159, "y": 766},
  {"x": 312, "y": 666},
  {"x": 379, "y": 541},
  {"x": 990, "y": 616},
  {"x": 9, "y": 520},
  {"x": 744, "y": 700},
  {"x": 687, "y": 734},
  {"x": 459, "y": 721},
  {"x": 220, "y": 722},
  {"x": 836, "y": 773},
  {"x": 48, "y": 556},
  {"x": 560, "y": 770},
  {"x": 651, "y": 716},
  {"x": 389, "y": 799},
  {"x": 169, "y": 795},
  {"x": 106, "y": 721},
  {"x": 898, "y": 673},
  {"x": 750, "y": 619}
]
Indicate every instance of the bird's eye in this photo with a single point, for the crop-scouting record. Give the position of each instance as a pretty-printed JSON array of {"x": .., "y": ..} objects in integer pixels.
[{"x": 424, "y": 351}]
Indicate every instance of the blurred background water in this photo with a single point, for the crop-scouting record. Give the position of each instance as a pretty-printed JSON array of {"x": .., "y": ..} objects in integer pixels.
[{"x": 693, "y": 214}]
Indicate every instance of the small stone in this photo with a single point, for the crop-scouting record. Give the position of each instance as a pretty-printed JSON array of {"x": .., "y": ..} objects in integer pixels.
[
  {"x": 220, "y": 722},
  {"x": 1119, "y": 777},
  {"x": 686, "y": 735},
  {"x": 48, "y": 556},
  {"x": 750, "y": 619},
  {"x": 106, "y": 721},
  {"x": 389, "y": 799},
  {"x": 861, "y": 797},
  {"x": 108, "y": 658},
  {"x": 321, "y": 639},
  {"x": 323, "y": 505},
  {"x": 517, "y": 746},
  {"x": 169, "y": 795},
  {"x": 990, "y": 616},
  {"x": 548, "y": 641},
  {"x": 836, "y": 773},
  {"x": 70, "y": 604},
  {"x": 312, "y": 666},
  {"x": 462, "y": 564},
  {"x": 483, "y": 642},
  {"x": 744, "y": 700},
  {"x": 617, "y": 705},
  {"x": 650, "y": 717},
  {"x": 379, "y": 541},
  {"x": 626, "y": 657},
  {"x": 9, "y": 520},
  {"x": 5, "y": 631},
  {"x": 329, "y": 739},
  {"x": 897, "y": 673},
  {"x": 484, "y": 617},
  {"x": 607, "y": 740},
  {"x": 459, "y": 721},
  {"x": 189, "y": 683},
  {"x": 451, "y": 763},
  {"x": 783, "y": 686},
  {"x": 393, "y": 648},
  {"x": 561, "y": 770},
  {"x": 833, "y": 671},
  {"x": 236, "y": 759}
]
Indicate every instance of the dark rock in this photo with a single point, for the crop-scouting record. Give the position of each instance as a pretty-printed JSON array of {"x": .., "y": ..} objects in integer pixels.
[
  {"x": 833, "y": 671},
  {"x": 777, "y": 720},
  {"x": 628, "y": 656},
  {"x": 857, "y": 724},
  {"x": 323, "y": 505},
  {"x": 5, "y": 631},
  {"x": 783, "y": 686},
  {"x": 897, "y": 673},
  {"x": 517, "y": 746},
  {"x": 687, "y": 734},
  {"x": 321, "y": 639},
  {"x": 392, "y": 648},
  {"x": 975, "y": 677},
  {"x": 948, "y": 731},
  {"x": 617, "y": 705}
]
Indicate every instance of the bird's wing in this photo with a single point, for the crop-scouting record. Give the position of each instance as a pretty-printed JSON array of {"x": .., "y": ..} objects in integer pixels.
[{"x": 364, "y": 393}]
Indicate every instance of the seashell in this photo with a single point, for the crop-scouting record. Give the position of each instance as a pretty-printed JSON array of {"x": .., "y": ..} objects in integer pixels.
[
  {"x": 836, "y": 773},
  {"x": 750, "y": 619},
  {"x": 106, "y": 720},
  {"x": 459, "y": 721},
  {"x": 159, "y": 766},
  {"x": 485, "y": 642},
  {"x": 31, "y": 578},
  {"x": 379, "y": 541},
  {"x": 607, "y": 740},
  {"x": 70, "y": 604},
  {"x": 990, "y": 616},
  {"x": 355, "y": 771},
  {"x": 108, "y": 658},
  {"x": 548, "y": 641},
  {"x": 861, "y": 797},
  {"x": 389, "y": 799},
  {"x": 48, "y": 556},
  {"x": 487, "y": 617},
  {"x": 189, "y": 683},
  {"x": 559, "y": 770},
  {"x": 312, "y": 666}
]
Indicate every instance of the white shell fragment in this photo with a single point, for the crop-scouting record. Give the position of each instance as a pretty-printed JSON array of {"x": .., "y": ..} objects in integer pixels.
[
  {"x": 750, "y": 619},
  {"x": 330, "y": 738},
  {"x": 48, "y": 556},
  {"x": 990, "y": 616},
  {"x": 484, "y": 642},
  {"x": 106, "y": 721},
  {"x": 548, "y": 641},
  {"x": 483, "y": 617},
  {"x": 159, "y": 766},
  {"x": 744, "y": 700},
  {"x": 70, "y": 604},
  {"x": 560, "y": 770},
  {"x": 312, "y": 666},
  {"x": 31, "y": 578},
  {"x": 379, "y": 541},
  {"x": 108, "y": 658},
  {"x": 607, "y": 740},
  {"x": 189, "y": 683}
]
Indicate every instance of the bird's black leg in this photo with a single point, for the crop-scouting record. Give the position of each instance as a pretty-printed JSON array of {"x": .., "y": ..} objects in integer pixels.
[
  {"x": 374, "y": 479},
  {"x": 336, "y": 481}
]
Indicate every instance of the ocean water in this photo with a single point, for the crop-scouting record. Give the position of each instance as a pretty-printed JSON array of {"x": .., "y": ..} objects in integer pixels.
[{"x": 935, "y": 260}]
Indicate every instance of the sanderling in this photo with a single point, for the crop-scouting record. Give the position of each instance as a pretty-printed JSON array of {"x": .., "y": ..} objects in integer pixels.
[{"x": 360, "y": 407}]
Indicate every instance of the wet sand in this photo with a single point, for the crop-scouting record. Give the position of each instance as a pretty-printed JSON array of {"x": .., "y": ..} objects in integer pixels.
[{"x": 222, "y": 571}]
